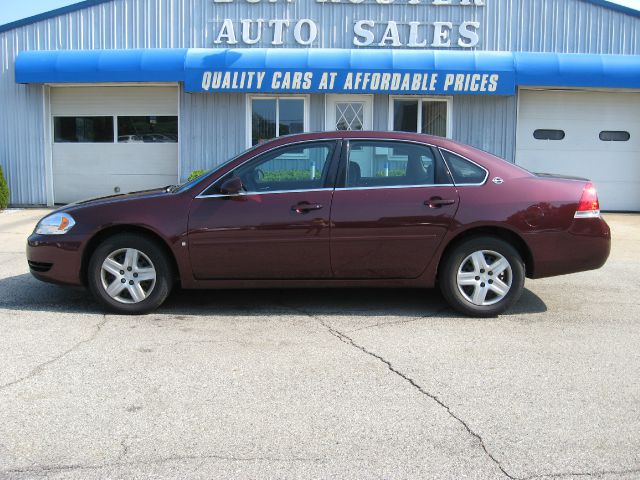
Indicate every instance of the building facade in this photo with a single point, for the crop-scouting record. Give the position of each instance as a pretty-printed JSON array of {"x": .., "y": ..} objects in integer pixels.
[{"x": 111, "y": 96}]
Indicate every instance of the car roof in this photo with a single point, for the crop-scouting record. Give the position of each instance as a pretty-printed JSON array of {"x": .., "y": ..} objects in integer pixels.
[
  {"x": 446, "y": 143},
  {"x": 383, "y": 135}
]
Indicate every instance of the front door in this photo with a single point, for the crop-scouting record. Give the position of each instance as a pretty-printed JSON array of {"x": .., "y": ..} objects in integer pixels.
[
  {"x": 392, "y": 211},
  {"x": 349, "y": 112},
  {"x": 277, "y": 228}
]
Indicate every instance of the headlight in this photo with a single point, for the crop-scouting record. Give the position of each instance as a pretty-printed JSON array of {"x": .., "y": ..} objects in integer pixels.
[{"x": 56, "y": 224}]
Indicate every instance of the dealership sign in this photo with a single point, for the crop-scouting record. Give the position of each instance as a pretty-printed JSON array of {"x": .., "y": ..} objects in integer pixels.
[
  {"x": 355, "y": 81},
  {"x": 364, "y": 32},
  {"x": 290, "y": 73}
]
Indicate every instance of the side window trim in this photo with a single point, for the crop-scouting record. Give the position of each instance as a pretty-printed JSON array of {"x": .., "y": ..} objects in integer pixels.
[
  {"x": 331, "y": 180},
  {"x": 341, "y": 181},
  {"x": 325, "y": 181},
  {"x": 486, "y": 176}
]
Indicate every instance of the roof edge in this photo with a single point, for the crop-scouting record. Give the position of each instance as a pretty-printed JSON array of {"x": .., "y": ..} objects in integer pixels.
[
  {"x": 91, "y": 3},
  {"x": 616, "y": 6},
  {"x": 51, "y": 14}
]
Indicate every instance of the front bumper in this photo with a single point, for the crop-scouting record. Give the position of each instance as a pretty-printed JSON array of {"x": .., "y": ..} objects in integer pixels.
[{"x": 55, "y": 258}]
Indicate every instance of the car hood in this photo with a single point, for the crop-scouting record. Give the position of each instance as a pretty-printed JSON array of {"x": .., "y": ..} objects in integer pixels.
[{"x": 121, "y": 197}]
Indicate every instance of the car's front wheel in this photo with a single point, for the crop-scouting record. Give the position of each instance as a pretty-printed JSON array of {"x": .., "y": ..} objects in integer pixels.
[
  {"x": 130, "y": 274},
  {"x": 482, "y": 276}
]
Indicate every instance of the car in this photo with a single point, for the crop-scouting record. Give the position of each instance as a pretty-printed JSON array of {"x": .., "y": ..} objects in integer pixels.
[
  {"x": 332, "y": 209},
  {"x": 130, "y": 139},
  {"x": 158, "y": 138}
]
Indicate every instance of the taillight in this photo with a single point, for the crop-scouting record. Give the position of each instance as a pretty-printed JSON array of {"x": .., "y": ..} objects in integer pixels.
[{"x": 589, "y": 206}]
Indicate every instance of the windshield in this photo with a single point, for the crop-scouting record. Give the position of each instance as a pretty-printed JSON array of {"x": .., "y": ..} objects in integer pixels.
[{"x": 187, "y": 185}]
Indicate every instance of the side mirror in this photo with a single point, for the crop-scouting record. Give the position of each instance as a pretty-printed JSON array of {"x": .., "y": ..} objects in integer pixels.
[{"x": 231, "y": 186}]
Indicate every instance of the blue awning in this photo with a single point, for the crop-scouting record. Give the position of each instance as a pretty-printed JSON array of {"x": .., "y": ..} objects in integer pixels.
[
  {"x": 332, "y": 70},
  {"x": 577, "y": 70},
  {"x": 100, "y": 66}
]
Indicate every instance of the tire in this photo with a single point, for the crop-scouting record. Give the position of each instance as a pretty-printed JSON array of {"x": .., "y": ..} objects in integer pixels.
[
  {"x": 147, "y": 274},
  {"x": 471, "y": 287}
]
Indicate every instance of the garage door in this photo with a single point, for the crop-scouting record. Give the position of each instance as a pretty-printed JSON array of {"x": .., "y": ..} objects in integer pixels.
[
  {"x": 108, "y": 140},
  {"x": 587, "y": 134}
]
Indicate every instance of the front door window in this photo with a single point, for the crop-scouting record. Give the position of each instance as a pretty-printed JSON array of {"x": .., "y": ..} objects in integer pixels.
[{"x": 295, "y": 167}]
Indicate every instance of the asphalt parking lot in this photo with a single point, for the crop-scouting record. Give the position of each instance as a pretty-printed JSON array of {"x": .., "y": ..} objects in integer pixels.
[{"x": 322, "y": 383}]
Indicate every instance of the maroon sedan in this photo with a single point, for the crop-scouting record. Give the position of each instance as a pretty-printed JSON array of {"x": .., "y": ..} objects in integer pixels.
[{"x": 366, "y": 209}]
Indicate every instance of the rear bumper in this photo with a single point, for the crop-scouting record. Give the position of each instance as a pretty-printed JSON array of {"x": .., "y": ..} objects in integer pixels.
[
  {"x": 55, "y": 259},
  {"x": 584, "y": 246}
]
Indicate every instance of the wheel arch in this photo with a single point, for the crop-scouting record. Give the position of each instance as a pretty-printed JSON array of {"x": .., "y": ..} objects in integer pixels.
[
  {"x": 502, "y": 233},
  {"x": 101, "y": 235}
]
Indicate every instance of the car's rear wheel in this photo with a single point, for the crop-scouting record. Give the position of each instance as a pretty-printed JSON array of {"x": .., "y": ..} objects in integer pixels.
[
  {"x": 130, "y": 274},
  {"x": 482, "y": 276}
]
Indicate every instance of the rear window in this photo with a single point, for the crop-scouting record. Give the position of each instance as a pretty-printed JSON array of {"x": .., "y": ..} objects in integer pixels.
[{"x": 464, "y": 172}]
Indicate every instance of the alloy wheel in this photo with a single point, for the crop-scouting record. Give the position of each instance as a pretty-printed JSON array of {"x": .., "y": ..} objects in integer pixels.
[
  {"x": 128, "y": 275},
  {"x": 484, "y": 278}
]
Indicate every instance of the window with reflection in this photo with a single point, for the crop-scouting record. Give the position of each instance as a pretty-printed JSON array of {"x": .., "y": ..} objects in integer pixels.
[
  {"x": 83, "y": 129},
  {"x": 464, "y": 172},
  {"x": 389, "y": 163},
  {"x": 273, "y": 117},
  {"x": 147, "y": 129},
  {"x": 349, "y": 116},
  {"x": 420, "y": 115},
  {"x": 294, "y": 167}
]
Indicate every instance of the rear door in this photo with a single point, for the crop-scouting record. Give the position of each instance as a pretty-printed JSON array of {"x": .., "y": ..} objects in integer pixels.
[{"x": 394, "y": 203}]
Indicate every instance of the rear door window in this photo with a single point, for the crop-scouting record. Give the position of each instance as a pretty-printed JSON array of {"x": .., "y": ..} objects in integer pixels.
[{"x": 379, "y": 163}]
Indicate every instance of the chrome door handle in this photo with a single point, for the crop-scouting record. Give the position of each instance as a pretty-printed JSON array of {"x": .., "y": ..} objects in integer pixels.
[
  {"x": 438, "y": 202},
  {"x": 306, "y": 207}
]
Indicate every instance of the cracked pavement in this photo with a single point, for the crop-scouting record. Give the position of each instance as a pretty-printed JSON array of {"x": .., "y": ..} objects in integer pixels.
[{"x": 366, "y": 384}]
